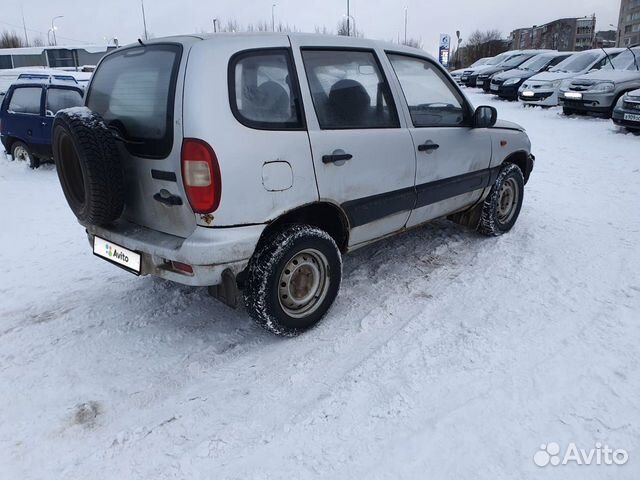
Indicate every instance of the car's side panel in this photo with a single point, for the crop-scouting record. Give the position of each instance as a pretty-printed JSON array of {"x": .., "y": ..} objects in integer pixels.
[
  {"x": 244, "y": 153},
  {"x": 376, "y": 187}
]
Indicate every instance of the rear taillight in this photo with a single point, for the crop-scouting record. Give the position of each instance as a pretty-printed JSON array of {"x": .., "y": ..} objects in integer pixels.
[{"x": 201, "y": 175}]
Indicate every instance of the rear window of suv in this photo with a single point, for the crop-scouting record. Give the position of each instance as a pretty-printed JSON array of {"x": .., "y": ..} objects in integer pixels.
[{"x": 134, "y": 91}]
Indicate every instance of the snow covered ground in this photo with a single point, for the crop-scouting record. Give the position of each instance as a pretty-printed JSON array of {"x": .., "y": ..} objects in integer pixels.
[{"x": 446, "y": 356}]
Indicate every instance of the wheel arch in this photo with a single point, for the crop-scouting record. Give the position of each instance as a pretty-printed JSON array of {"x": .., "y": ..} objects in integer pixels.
[
  {"x": 522, "y": 159},
  {"x": 325, "y": 215}
]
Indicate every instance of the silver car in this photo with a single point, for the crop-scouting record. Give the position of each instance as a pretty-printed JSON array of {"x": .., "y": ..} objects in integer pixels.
[
  {"x": 252, "y": 163},
  {"x": 599, "y": 92}
]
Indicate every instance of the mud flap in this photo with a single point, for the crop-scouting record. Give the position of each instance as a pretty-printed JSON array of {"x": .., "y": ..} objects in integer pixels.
[{"x": 227, "y": 292}]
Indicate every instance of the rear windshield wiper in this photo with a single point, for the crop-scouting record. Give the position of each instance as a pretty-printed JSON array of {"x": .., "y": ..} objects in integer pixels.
[
  {"x": 609, "y": 58},
  {"x": 635, "y": 59},
  {"x": 117, "y": 134}
]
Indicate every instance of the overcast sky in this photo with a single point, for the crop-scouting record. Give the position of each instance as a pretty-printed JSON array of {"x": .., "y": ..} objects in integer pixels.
[{"x": 91, "y": 21}]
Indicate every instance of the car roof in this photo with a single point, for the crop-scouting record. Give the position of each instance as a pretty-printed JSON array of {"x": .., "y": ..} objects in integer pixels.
[{"x": 331, "y": 40}]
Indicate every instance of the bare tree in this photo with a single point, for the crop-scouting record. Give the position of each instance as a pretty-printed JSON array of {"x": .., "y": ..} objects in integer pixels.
[
  {"x": 345, "y": 28},
  {"x": 412, "y": 42},
  {"x": 11, "y": 40},
  {"x": 482, "y": 44}
]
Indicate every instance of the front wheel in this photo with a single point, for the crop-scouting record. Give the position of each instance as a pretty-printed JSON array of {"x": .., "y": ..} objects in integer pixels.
[
  {"x": 293, "y": 279},
  {"x": 502, "y": 207},
  {"x": 21, "y": 153}
]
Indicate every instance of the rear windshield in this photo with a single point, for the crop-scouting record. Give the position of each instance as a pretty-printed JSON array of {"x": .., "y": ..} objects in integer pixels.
[{"x": 133, "y": 90}]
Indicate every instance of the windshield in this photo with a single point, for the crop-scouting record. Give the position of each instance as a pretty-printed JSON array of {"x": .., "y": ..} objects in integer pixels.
[
  {"x": 498, "y": 59},
  {"x": 625, "y": 61},
  {"x": 536, "y": 63},
  {"x": 578, "y": 62},
  {"x": 515, "y": 60},
  {"x": 480, "y": 62}
]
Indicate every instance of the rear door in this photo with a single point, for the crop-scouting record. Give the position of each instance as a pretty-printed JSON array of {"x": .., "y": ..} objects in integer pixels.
[
  {"x": 138, "y": 92},
  {"x": 453, "y": 158},
  {"x": 362, "y": 152},
  {"x": 23, "y": 117}
]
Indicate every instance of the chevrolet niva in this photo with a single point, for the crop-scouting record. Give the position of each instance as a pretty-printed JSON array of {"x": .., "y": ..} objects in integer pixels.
[{"x": 251, "y": 163}]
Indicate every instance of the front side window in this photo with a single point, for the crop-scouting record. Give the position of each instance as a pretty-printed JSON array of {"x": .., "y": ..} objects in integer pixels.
[
  {"x": 133, "y": 90},
  {"x": 432, "y": 100},
  {"x": 61, "y": 98},
  {"x": 26, "y": 100},
  {"x": 349, "y": 90},
  {"x": 264, "y": 91}
]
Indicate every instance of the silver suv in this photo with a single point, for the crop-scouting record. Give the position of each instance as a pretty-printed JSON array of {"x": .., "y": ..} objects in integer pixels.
[
  {"x": 252, "y": 163},
  {"x": 599, "y": 92}
]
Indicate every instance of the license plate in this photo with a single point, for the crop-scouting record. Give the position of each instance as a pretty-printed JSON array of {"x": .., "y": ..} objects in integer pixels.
[
  {"x": 631, "y": 117},
  {"x": 116, "y": 254},
  {"x": 495, "y": 87},
  {"x": 528, "y": 94},
  {"x": 573, "y": 95},
  {"x": 479, "y": 83}
]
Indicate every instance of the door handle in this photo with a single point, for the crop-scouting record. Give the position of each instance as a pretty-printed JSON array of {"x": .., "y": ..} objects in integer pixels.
[
  {"x": 428, "y": 147},
  {"x": 336, "y": 157},
  {"x": 166, "y": 198}
]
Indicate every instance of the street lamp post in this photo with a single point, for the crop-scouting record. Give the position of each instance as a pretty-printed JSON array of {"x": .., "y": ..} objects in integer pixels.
[
  {"x": 273, "y": 17},
  {"x": 215, "y": 25},
  {"x": 406, "y": 19},
  {"x": 348, "y": 19},
  {"x": 53, "y": 28},
  {"x": 351, "y": 19}
]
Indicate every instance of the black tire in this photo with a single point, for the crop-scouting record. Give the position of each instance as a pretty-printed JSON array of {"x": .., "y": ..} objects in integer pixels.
[
  {"x": 269, "y": 271},
  {"x": 569, "y": 111},
  {"x": 21, "y": 152},
  {"x": 502, "y": 207},
  {"x": 89, "y": 167}
]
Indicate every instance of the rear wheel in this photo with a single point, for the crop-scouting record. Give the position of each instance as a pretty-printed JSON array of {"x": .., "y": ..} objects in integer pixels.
[
  {"x": 293, "y": 279},
  {"x": 20, "y": 152},
  {"x": 502, "y": 207}
]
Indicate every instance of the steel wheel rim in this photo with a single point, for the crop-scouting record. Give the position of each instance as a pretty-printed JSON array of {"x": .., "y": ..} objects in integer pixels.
[
  {"x": 508, "y": 200},
  {"x": 303, "y": 283},
  {"x": 21, "y": 153}
]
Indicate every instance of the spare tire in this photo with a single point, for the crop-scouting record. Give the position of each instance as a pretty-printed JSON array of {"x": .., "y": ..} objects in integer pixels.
[{"x": 89, "y": 166}]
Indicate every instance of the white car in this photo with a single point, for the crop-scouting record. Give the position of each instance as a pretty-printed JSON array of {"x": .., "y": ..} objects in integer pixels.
[
  {"x": 457, "y": 74},
  {"x": 542, "y": 89},
  {"x": 254, "y": 162}
]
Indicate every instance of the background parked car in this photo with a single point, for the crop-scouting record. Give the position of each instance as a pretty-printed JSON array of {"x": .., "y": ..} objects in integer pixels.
[
  {"x": 627, "y": 111},
  {"x": 470, "y": 75},
  {"x": 542, "y": 89},
  {"x": 27, "y": 113},
  {"x": 457, "y": 74},
  {"x": 484, "y": 79},
  {"x": 599, "y": 92},
  {"x": 506, "y": 84}
]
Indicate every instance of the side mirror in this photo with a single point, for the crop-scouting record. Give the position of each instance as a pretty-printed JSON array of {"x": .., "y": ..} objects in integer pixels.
[{"x": 485, "y": 117}]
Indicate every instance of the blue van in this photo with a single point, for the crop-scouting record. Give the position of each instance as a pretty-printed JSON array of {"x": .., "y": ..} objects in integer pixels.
[{"x": 28, "y": 110}]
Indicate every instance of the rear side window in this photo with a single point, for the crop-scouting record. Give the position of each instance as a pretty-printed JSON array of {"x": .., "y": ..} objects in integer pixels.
[
  {"x": 134, "y": 91},
  {"x": 349, "y": 90},
  {"x": 26, "y": 100},
  {"x": 263, "y": 90},
  {"x": 61, "y": 98}
]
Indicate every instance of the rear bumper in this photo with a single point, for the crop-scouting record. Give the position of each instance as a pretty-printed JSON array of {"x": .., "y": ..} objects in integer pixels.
[{"x": 209, "y": 251}]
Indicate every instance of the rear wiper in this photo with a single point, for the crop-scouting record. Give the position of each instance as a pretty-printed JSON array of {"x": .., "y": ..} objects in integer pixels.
[
  {"x": 635, "y": 59},
  {"x": 608, "y": 58},
  {"x": 115, "y": 133}
]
